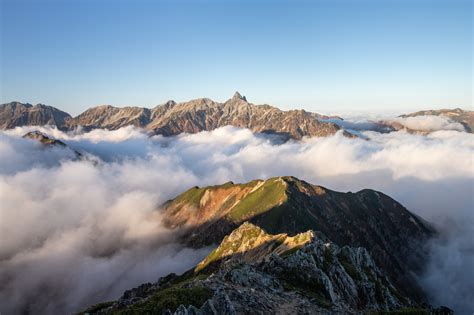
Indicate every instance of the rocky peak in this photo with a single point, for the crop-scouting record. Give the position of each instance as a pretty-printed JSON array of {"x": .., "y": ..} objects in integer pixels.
[
  {"x": 49, "y": 142},
  {"x": 251, "y": 243},
  {"x": 238, "y": 96},
  {"x": 43, "y": 138},
  {"x": 169, "y": 103}
]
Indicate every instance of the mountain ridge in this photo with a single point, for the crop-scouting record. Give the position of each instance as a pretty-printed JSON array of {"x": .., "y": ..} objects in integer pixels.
[
  {"x": 287, "y": 246},
  {"x": 252, "y": 271},
  {"x": 366, "y": 218},
  {"x": 173, "y": 118},
  {"x": 18, "y": 114},
  {"x": 203, "y": 114}
]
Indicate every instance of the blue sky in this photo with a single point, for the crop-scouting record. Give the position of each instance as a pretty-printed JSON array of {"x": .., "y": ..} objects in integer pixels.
[{"x": 329, "y": 56}]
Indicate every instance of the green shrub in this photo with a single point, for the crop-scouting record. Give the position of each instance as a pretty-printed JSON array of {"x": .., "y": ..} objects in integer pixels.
[{"x": 171, "y": 298}]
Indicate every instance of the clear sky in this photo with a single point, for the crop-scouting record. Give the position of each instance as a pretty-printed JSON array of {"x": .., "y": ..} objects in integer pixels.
[{"x": 319, "y": 55}]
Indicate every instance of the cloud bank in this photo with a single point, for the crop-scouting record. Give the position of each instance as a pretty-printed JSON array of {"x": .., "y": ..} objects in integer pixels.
[
  {"x": 429, "y": 123},
  {"x": 75, "y": 232}
]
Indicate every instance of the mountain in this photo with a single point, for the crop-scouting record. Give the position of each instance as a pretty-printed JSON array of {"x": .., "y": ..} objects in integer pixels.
[
  {"x": 174, "y": 118},
  {"x": 205, "y": 114},
  {"x": 464, "y": 117},
  {"x": 16, "y": 114},
  {"x": 50, "y": 142},
  {"x": 289, "y": 247},
  {"x": 43, "y": 138},
  {"x": 253, "y": 272},
  {"x": 367, "y": 218},
  {"x": 109, "y": 117}
]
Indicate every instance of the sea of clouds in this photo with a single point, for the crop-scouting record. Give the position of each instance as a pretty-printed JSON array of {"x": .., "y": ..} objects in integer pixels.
[{"x": 76, "y": 232}]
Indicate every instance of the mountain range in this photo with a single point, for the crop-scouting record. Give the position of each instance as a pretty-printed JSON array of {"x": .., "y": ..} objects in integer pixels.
[
  {"x": 174, "y": 118},
  {"x": 287, "y": 246},
  {"x": 202, "y": 114}
]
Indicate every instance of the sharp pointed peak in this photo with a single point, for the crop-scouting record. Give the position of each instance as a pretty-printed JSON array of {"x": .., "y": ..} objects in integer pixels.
[{"x": 237, "y": 95}]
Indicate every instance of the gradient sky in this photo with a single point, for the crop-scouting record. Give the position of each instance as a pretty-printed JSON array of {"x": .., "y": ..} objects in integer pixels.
[{"x": 324, "y": 56}]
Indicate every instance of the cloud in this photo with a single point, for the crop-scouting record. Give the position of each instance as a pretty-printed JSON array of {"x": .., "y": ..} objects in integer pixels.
[
  {"x": 359, "y": 124},
  {"x": 429, "y": 123},
  {"x": 378, "y": 123},
  {"x": 74, "y": 232}
]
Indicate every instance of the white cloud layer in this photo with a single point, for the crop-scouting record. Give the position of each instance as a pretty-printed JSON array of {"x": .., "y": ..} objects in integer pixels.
[
  {"x": 429, "y": 123},
  {"x": 74, "y": 233}
]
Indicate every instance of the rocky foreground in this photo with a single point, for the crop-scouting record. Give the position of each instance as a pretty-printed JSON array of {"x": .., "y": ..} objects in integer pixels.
[
  {"x": 289, "y": 247},
  {"x": 253, "y": 272},
  {"x": 367, "y": 218}
]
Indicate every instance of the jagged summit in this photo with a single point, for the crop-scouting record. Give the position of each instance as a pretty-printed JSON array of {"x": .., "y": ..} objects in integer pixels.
[
  {"x": 237, "y": 95},
  {"x": 249, "y": 242}
]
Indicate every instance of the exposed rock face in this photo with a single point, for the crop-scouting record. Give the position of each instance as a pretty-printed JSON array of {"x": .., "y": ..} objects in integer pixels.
[
  {"x": 174, "y": 118},
  {"x": 16, "y": 114},
  {"x": 310, "y": 276},
  {"x": 251, "y": 243},
  {"x": 464, "y": 117},
  {"x": 205, "y": 114},
  {"x": 109, "y": 117},
  {"x": 314, "y": 268},
  {"x": 368, "y": 218}
]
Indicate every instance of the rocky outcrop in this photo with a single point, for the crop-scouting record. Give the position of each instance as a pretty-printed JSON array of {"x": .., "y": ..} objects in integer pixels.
[
  {"x": 311, "y": 276},
  {"x": 43, "y": 138},
  {"x": 17, "y": 114},
  {"x": 251, "y": 243},
  {"x": 174, "y": 118},
  {"x": 50, "y": 142},
  {"x": 327, "y": 278}
]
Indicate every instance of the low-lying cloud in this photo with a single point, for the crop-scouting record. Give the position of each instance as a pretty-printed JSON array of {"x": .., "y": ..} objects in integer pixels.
[
  {"x": 75, "y": 232},
  {"x": 429, "y": 123}
]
